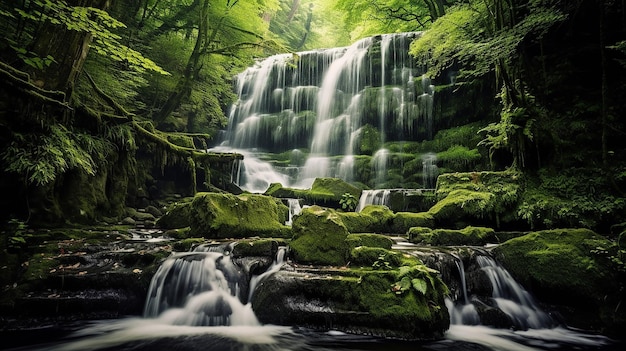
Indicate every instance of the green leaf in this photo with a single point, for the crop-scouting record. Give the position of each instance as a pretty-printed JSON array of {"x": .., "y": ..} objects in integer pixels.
[{"x": 420, "y": 285}]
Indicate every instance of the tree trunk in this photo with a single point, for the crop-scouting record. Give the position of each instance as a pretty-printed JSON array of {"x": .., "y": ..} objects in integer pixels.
[
  {"x": 183, "y": 87},
  {"x": 69, "y": 50}
]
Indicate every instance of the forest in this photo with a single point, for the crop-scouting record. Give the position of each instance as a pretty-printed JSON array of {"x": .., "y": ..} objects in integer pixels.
[
  {"x": 108, "y": 108},
  {"x": 155, "y": 77}
]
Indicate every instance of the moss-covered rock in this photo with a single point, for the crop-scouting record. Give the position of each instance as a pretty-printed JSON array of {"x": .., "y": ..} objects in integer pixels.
[
  {"x": 573, "y": 269},
  {"x": 373, "y": 218},
  {"x": 375, "y": 257},
  {"x": 219, "y": 215},
  {"x": 452, "y": 237},
  {"x": 478, "y": 198},
  {"x": 324, "y": 191},
  {"x": 369, "y": 240},
  {"x": 319, "y": 237},
  {"x": 403, "y": 221},
  {"x": 257, "y": 247},
  {"x": 406, "y": 302},
  {"x": 177, "y": 216}
]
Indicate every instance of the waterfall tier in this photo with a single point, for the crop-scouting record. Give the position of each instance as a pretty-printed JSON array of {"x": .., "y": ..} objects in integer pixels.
[
  {"x": 204, "y": 288},
  {"x": 334, "y": 105}
]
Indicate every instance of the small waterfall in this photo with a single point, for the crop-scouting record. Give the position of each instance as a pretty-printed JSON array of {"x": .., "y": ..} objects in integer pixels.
[
  {"x": 462, "y": 312},
  {"x": 251, "y": 173},
  {"x": 507, "y": 296},
  {"x": 373, "y": 197},
  {"x": 379, "y": 165},
  {"x": 204, "y": 288},
  {"x": 276, "y": 266},
  {"x": 512, "y": 298},
  {"x": 429, "y": 171},
  {"x": 294, "y": 210}
]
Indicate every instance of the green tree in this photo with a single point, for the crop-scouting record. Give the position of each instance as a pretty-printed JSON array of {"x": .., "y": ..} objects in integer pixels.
[{"x": 490, "y": 37}]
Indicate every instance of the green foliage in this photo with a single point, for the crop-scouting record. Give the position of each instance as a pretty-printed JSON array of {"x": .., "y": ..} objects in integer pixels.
[
  {"x": 371, "y": 17},
  {"x": 32, "y": 59},
  {"x": 459, "y": 158},
  {"x": 480, "y": 38},
  {"x": 571, "y": 198},
  {"x": 96, "y": 22},
  {"x": 418, "y": 277},
  {"x": 41, "y": 158},
  {"x": 17, "y": 234},
  {"x": 348, "y": 202},
  {"x": 382, "y": 263}
]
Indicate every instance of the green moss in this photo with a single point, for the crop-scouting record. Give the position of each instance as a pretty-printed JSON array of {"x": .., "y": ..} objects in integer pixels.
[
  {"x": 375, "y": 257},
  {"x": 257, "y": 247},
  {"x": 319, "y": 237},
  {"x": 574, "y": 261},
  {"x": 566, "y": 251},
  {"x": 333, "y": 188},
  {"x": 217, "y": 215},
  {"x": 373, "y": 218},
  {"x": 450, "y": 237},
  {"x": 179, "y": 233},
  {"x": 369, "y": 140},
  {"x": 459, "y": 158},
  {"x": 324, "y": 191},
  {"x": 277, "y": 190},
  {"x": 461, "y": 204},
  {"x": 371, "y": 240},
  {"x": 403, "y": 221},
  {"x": 419, "y": 234},
  {"x": 177, "y": 216}
]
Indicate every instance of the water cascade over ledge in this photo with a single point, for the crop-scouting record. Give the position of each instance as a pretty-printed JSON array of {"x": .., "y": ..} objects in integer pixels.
[
  {"x": 327, "y": 112},
  {"x": 204, "y": 288}
]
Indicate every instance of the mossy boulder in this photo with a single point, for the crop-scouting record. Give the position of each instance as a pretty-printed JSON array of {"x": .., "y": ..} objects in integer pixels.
[
  {"x": 477, "y": 198},
  {"x": 369, "y": 240},
  {"x": 476, "y": 236},
  {"x": 462, "y": 206},
  {"x": 375, "y": 257},
  {"x": 177, "y": 215},
  {"x": 573, "y": 269},
  {"x": 258, "y": 247},
  {"x": 373, "y": 218},
  {"x": 220, "y": 215},
  {"x": 405, "y": 302},
  {"x": 324, "y": 191},
  {"x": 403, "y": 221},
  {"x": 319, "y": 237}
]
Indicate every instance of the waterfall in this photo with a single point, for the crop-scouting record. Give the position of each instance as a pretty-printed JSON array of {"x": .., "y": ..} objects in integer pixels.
[
  {"x": 319, "y": 101},
  {"x": 294, "y": 210},
  {"x": 204, "y": 288},
  {"x": 379, "y": 165},
  {"x": 512, "y": 298},
  {"x": 507, "y": 295},
  {"x": 373, "y": 197},
  {"x": 462, "y": 312},
  {"x": 429, "y": 171}
]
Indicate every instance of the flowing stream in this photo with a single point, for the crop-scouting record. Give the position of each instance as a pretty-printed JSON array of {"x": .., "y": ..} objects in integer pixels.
[{"x": 200, "y": 300}]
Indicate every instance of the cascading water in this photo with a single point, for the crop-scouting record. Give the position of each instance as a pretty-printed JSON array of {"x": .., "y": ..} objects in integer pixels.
[
  {"x": 204, "y": 288},
  {"x": 294, "y": 209},
  {"x": 430, "y": 171},
  {"x": 325, "y": 103},
  {"x": 508, "y": 296},
  {"x": 512, "y": 298},
  {"x": 373, "y": 197}
]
